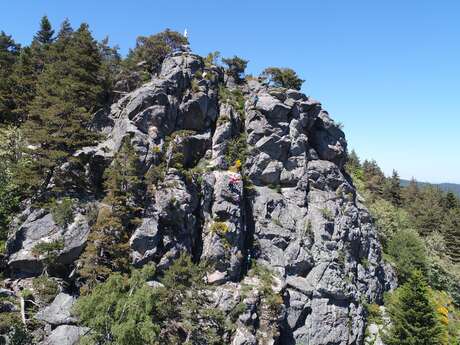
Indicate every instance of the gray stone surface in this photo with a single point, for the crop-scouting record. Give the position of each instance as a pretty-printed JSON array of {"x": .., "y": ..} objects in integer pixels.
[
  {"x": 59, "y": 312},
  {"x": 295, "y": 211},
  {"x": 65, "y": 335}
]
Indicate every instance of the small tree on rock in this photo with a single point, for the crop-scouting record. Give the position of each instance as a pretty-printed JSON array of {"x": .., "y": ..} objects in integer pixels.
[
  {"x": 414, "y": 320},
  {"x": 283, "y": 77},
  {"x": 235, "y": 66}
]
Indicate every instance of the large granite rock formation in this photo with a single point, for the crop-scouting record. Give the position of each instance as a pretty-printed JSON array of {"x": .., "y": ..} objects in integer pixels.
[{"x": 290, "y": 207}]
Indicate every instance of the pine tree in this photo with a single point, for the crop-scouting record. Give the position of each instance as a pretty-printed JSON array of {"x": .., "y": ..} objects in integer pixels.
[
  {"x": 283, "y": 77},
  {"x": 373, "y": 177},
  {"x": 392, "y": 189},
  {"x": 24, "y": 80},
  {"x": 9, "y": 53},
  {"x": 67, "y": 93},
  {"x": 451, "y": 232},
  {"x": 235, "y": 66},
  {"x": 413, "y": 316},
  {"x": 411, "y": 192},
  {"x": 426, "y": 211},
  {"x": 108, "y": 243},
  {"x": 150, "y": 51},
  {"x": 110, "y": 69},
  {"x": 45, "y": 34},
  {"x": 65, "y": 31},
  {"x": 30, "y": 64}
]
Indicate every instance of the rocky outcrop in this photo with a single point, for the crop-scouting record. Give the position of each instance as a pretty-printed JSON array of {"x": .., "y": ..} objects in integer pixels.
[
  {"x": 59, "y": 312},
  {"x": 285, "y": 203}
]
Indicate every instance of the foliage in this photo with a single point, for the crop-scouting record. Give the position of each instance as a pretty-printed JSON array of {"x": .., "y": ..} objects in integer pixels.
[
  {"x": 67, "y": 93},
  {"x": 235, "y": 66},
  {"x": 125, "y": 310},
  {"x": 107, "y": 250},
  {"x": 237, "y": 151},
  {"x": 62, "y": 211},
  {"x": 150, "y": 51},
  {"x": 408, "y": 251},
  {"x": 327, "y": 214},
  {"x": 413, "y": 315},
  {"x": 234, "y": 98},
  {"x": 220, "y": 228},
  {"x": 46, "y": 288},
  {"x": 9, "y": 52},
  {"x": 389, "y": 219},
  {"x": 212, "y": 59},
  {"x": 272, "y": 299},
  {"x": 283, "y": 77},
  {"x": 120, "y": 310},
  {"x": 10, "y": 193}
]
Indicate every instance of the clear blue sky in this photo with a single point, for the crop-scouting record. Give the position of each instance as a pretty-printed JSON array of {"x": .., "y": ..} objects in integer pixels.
[{"x": 388, "y": 70}]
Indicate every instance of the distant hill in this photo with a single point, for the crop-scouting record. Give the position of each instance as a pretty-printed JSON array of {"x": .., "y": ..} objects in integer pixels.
[{"x": 448, "y": 187}]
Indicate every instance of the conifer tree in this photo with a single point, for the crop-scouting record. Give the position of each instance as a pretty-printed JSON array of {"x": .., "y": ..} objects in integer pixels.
[
  {"x": 413, "y": 316},
  {"x": 108, "y": 248},
  {"x": 110, "y": 69},
  {"x": 29, "y": 65},
  {"x": 9, "y": 52},
  {"x": 392, "y": 189},
  {"x": 283, "y": 77},
  {"x": 150, "y": 51},
  {"x": 451, "y": 232},
  {"x": 426, "y": 211},
  {"x": 45, "y": 34},
  {"x": 235, "y": 66},
  {"x": 67, "y": 93}
]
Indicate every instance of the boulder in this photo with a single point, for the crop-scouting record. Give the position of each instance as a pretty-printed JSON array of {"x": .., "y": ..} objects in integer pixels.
[
  {"x": 59, "y": 312},
  {"x": 65, "y": 335}
]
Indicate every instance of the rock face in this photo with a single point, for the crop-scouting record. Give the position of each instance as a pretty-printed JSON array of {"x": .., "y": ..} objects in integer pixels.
[
  {"x": 59, "y": 312},
  {"x": 290, "y": 206}
]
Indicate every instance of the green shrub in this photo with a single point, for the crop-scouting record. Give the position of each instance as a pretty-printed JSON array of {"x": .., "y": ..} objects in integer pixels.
[
  {"x": 272, "y": 299},
  {"x": 220, "y": 228},
  {"x": 408, "y": 253},
  {"x": 47, "y": 289},
  {"x": 194, "y": 86},
  {"x": 62, "y": 211},
  {"x": 48, "y": 248},
  {"x": 327, "y": 214},
  {"x": 236, "y": 150},
  {"x": 235, "y": 98}
]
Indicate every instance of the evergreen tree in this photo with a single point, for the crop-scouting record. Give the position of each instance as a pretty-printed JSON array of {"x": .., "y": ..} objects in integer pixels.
[
  {"x": 373, "y": 177},
  {"x": 408, "y": 252},
  {"x": 183, "y": 307},
  {"x": 450, "y": 201},
  {"x": 65, "y": 31},
  {"x": 120, "y": 311},
  {"x": 426, "y": 211},
  {"x": 235, "y": 66},
  {"x": 30, "y": 64},
  {"x": 110, "y": 69},
  {"x": 108, "y": 244},
  {"x": 411, "y": 192},
  {"x": 24, "y": 79},
  {"x": 67, "y": 93},
  {"x": 45, "y": 34},
  {"x": 413, "y": 316},
  {"x": 283, "y": 77},
  {"x": 353, "y": 160},
  {"x": 392, "y": 189},
  {"x": 150, "y": 51},
  {"x": 9, "y": 53},
  {"x": 451, "y": 232}
]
